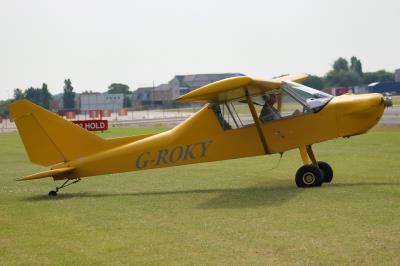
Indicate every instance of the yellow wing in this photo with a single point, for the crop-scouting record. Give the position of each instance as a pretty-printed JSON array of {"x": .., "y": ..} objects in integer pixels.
[{"x": 235, "y": 88}]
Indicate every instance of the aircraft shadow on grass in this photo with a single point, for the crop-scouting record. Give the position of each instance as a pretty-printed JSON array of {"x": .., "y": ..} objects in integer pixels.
[
  {"x": 268, "y": 195},
  {"x": 264, "y": 194}
]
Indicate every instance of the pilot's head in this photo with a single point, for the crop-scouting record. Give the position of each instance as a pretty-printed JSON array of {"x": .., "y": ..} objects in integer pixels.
[{"x": 270, "y": 99}]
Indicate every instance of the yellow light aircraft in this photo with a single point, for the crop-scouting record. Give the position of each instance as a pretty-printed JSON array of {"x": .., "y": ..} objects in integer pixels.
[{"x": 241, "y": 117}]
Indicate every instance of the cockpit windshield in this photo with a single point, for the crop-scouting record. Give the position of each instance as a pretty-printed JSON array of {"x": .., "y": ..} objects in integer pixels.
[{"x": 311, "y": 99}]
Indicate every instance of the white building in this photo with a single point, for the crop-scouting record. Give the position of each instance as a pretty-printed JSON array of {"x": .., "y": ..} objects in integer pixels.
[
  {"x": 101, "y": 101},
  {"x": 397, "y": 75}
]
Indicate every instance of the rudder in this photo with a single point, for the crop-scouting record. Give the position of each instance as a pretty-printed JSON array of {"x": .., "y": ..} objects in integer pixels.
[{"x": 50, "y": 139}]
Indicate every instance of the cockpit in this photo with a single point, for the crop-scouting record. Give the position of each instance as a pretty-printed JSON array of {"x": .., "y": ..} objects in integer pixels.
[{"x": 292, "y": 99}]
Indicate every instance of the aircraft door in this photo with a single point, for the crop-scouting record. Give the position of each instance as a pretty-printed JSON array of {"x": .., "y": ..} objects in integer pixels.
[{"x": 288, "y": 123}]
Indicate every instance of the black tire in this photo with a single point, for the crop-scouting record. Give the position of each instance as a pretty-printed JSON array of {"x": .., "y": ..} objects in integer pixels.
[
  {"x": 52, "y": 193},
  {"x": 309, "y": 176},
  {"x": 326, "y": 170}
]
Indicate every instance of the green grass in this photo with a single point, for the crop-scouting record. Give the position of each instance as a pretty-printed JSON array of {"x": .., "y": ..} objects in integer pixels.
[
  {"x": 243, "y": 211},
  {"x": 396, "y": 100}
]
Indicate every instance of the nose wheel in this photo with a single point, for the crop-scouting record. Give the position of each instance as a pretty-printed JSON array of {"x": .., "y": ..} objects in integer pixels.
[{"x": 314, "y": 174}]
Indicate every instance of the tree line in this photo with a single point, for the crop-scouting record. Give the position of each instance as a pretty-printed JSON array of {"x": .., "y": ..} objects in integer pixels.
[
  {"x": 347, "y": 74},
  {"x": 343, "y": 73},
  {"x": 41, "y": 96}
]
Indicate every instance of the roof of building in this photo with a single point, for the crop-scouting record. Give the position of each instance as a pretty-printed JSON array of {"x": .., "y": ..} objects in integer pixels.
[
  {"x": 199, "y": 80},
  {"x": 384, "y": 87},
  {"x": 141, "y": 89},
  {"x": 162, "y": 87}
]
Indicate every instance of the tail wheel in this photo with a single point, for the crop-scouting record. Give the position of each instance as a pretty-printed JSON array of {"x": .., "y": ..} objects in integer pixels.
[
  {"x": 53, "y": 193},
  {"x": 309, "y": 176},
  {"x": 326, "y": 170}
]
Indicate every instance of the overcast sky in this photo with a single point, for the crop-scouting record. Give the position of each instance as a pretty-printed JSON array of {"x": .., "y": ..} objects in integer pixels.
[{"x": 96, "y": 42}]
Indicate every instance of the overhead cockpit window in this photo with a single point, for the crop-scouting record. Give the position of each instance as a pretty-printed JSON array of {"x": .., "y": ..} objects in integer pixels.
[{"x": 312, "y": 99}]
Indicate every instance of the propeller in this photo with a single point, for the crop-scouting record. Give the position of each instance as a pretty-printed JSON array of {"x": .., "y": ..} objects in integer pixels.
[{"x": 387, "y": 101}]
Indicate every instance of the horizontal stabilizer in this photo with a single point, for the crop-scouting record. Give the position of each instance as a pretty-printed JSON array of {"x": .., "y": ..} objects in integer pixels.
[{"x": 46, "y": 174}]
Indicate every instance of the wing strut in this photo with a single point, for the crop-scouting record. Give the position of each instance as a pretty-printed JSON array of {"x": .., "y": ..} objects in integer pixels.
[{"x": 258, "y": 123}]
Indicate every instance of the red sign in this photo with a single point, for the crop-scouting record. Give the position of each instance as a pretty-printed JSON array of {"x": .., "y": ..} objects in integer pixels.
[{"x": 93, "y": 125}]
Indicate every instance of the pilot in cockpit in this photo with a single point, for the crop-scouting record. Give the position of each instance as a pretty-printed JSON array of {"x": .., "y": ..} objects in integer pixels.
[{"x": 269, "y": 112}]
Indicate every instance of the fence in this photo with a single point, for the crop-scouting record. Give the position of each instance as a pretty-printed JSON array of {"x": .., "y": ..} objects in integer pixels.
[{"x": 121, "y": 117}]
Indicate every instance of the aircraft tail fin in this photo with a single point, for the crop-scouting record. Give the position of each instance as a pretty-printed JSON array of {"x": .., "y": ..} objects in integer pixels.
[{"x": 50, "y": 139}]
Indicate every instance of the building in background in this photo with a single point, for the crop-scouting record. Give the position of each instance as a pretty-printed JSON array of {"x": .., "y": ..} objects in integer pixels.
[
  {"x": 101, "y": 101},
  {"x": 385, "y": 87},
  {"x": 142, "y": 97},
  {"x": 397, "y": 75},
  {"x": 182, "y": 84},
  {"x": 164, "y": 95}
]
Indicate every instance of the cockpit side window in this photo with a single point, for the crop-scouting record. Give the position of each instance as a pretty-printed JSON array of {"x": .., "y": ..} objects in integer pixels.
[
  {"x": 232, "y": 114},
  {"x": 276, "y": 105},
  {"x": 221, "y": 116}
]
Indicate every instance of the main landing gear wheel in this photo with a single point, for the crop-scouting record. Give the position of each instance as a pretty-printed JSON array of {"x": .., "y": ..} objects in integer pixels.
[
  {"x": 326, "y": 170},
  {"x": 309, "y": 176}
]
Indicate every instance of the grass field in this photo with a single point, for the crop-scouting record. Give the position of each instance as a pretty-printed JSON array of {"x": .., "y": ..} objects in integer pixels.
[
  {"x": 243, "y": 211},
  {"x": 396, "y": 100}
]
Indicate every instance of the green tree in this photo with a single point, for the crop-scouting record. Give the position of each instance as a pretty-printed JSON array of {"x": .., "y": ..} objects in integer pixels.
[
  {"x": 340, "y": 64},
  {"x": 33, "y": 95},
  {"x": 378, "y": 76},
  {"x": 342, "y": 78},
  {"x": 127, "y": 101},
  {"x": 355, "y": 66},
  {"x": 18, "y": 94},
  {"x": 45, "y": 96},
  {"x": 118, "y": 88},
  {"x": 4, "y": 108},
  {"x": 343, "y": 75},
  {"x": 69, "y": 95},
  {"x": 314, "y": 82}
]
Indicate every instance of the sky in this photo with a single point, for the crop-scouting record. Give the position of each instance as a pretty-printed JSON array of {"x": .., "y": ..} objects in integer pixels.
[{"x": 140, "y": 43}]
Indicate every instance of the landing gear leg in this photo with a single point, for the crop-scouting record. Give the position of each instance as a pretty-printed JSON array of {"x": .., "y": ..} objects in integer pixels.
[
  {"x": 67, "y": 183},
  {"x": 314, "y": 174}
]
